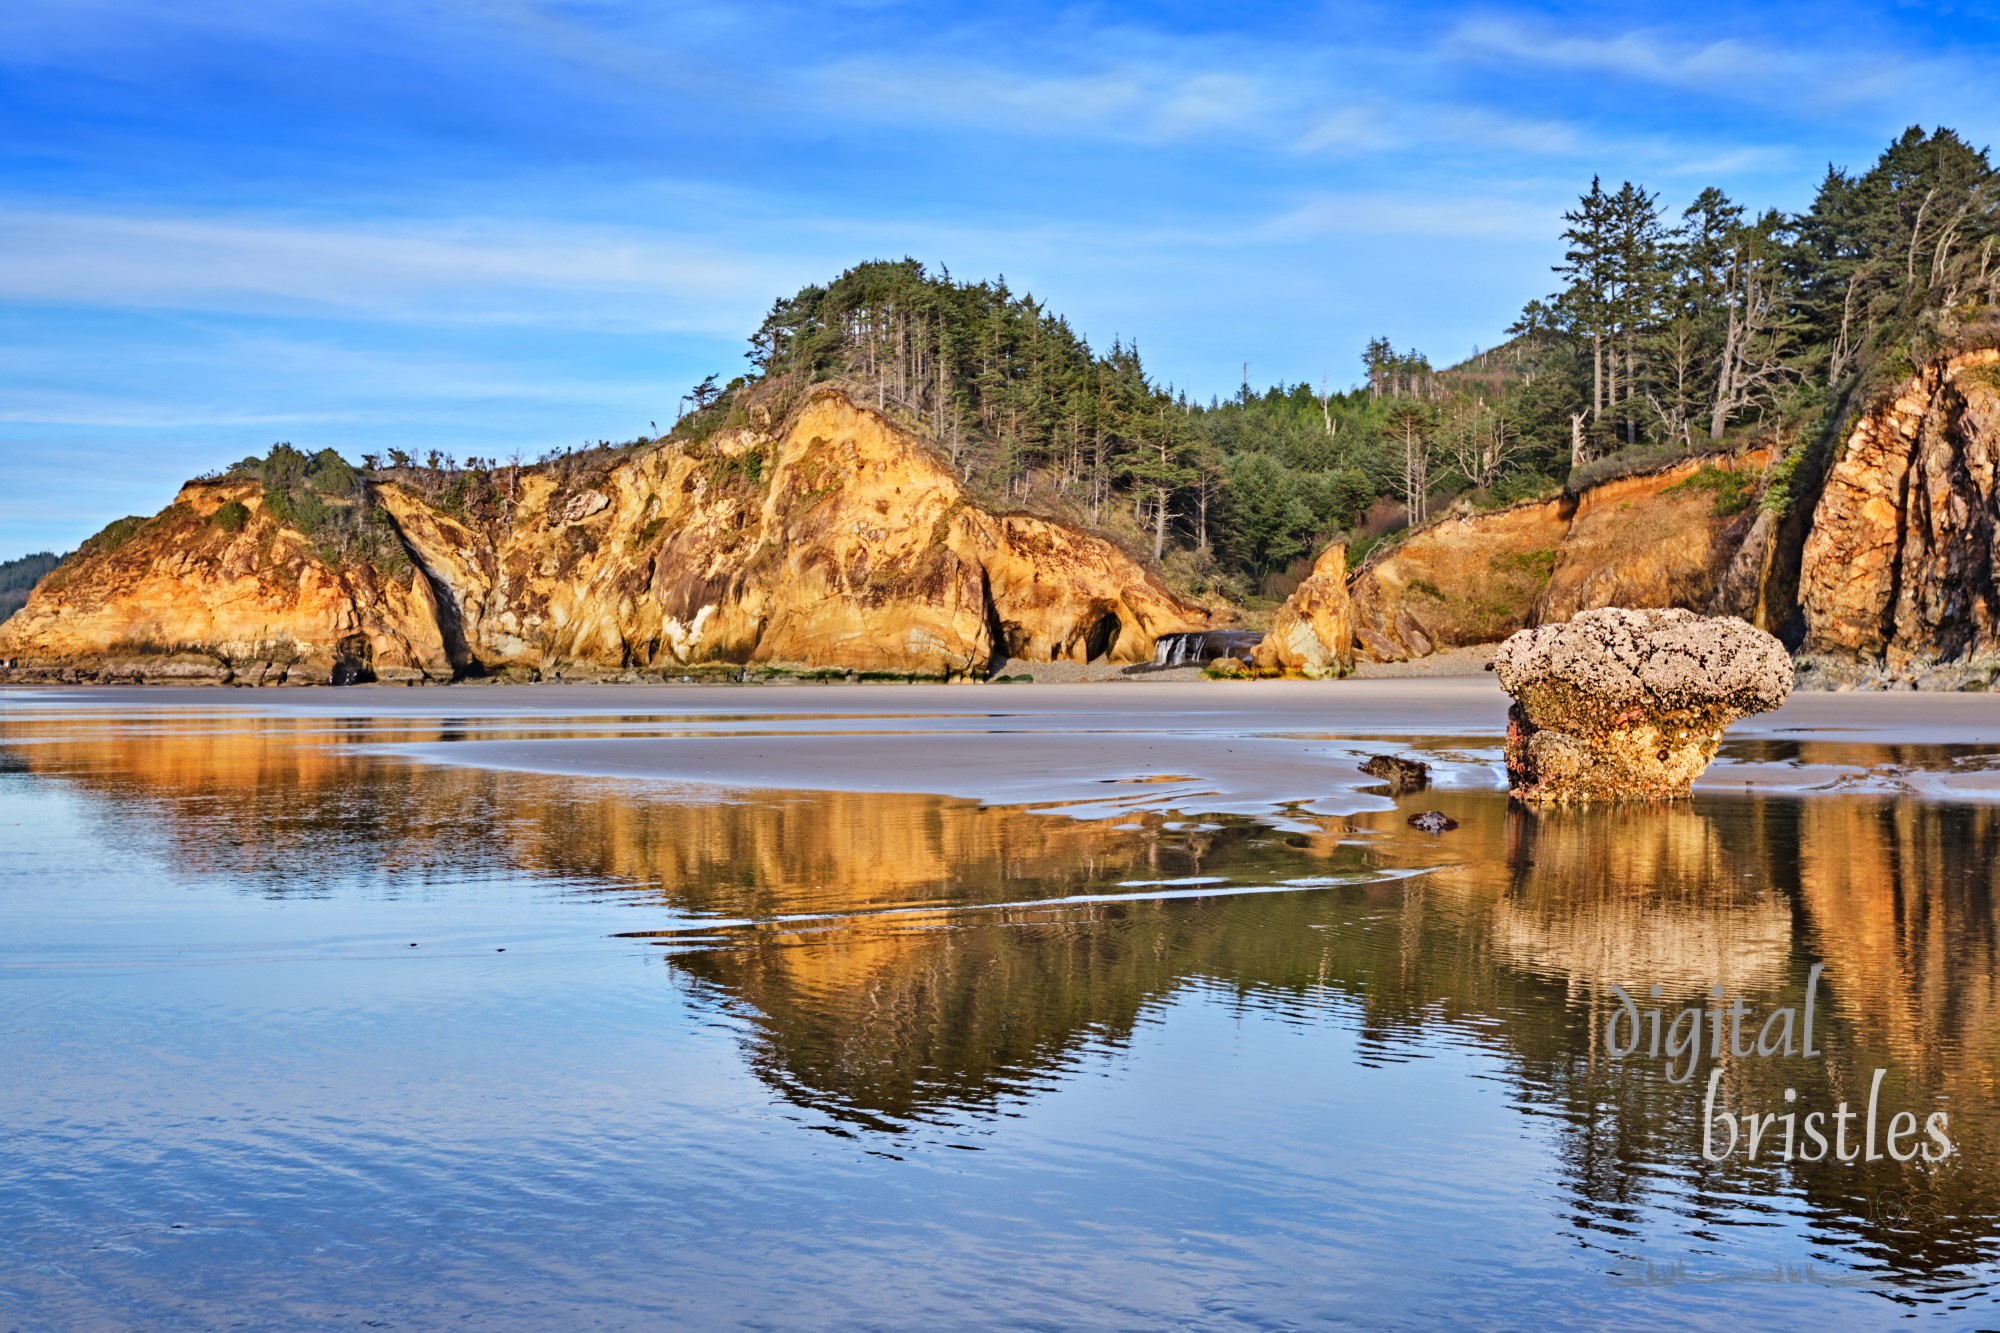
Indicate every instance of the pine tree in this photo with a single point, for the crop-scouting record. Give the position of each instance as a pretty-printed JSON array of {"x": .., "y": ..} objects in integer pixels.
[
  {"x": 1587, "y": 306},
  {"x": 1636, "y": 277}
]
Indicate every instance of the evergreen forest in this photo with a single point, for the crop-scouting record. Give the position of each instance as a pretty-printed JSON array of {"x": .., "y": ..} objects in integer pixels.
[{"x": 1673, "y": 329}]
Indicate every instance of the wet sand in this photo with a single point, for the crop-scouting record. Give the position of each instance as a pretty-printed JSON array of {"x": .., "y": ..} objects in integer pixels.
[{"x": 1093, "y": 750}]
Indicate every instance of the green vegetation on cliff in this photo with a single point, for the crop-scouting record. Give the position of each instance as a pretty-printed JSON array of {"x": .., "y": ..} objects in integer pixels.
[
  {"x": 1672, "y": 333},
  {"x": 327, "y": 499}
]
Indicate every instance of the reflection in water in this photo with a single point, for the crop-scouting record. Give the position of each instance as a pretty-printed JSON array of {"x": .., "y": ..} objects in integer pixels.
[{"x": 835, "y": 925}]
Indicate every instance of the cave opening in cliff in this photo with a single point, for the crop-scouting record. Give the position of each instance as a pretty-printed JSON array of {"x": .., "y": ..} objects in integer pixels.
[
  {"x": 1101, "y": 637},
  {"x": 353, "y": 661}
]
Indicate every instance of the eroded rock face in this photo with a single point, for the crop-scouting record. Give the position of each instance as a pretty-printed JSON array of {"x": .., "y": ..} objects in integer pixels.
[
  {"x": 1660, "y": 539},
  {"x": 834, "y": 539},
  {"x": 1312, "y": 634},
  {"x": 1462, "y": 581},
  {"x": 1621, "y": 705},
  {"x": 1900, "y": 561},
  {"x": 1673, "y": 537},
  {"x": 1058, "y": 594},
  {"x": 187, "y": 598}
]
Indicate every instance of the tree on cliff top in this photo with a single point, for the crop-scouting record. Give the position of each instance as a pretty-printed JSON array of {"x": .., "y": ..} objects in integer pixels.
[
  {"x": 1017, "y": 400},
  {"x": 1029, "y": 414},
  {"x": 324, "y": 497},
  {"x": 1728, "y": 322},
  {"x": 1882, "y": 254}
]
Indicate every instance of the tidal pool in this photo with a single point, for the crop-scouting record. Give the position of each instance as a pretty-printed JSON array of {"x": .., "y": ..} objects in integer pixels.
[{"x": 305, "y": 1028}]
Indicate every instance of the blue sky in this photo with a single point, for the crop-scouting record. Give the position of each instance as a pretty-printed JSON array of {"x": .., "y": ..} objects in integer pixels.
[{"x": 501, "y": 225}]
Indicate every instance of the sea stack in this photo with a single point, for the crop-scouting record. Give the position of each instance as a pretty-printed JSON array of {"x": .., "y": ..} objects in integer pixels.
[{"x": 1621, "y": 705}]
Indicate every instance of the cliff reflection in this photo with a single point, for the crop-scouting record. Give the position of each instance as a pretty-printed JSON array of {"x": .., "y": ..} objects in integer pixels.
[{"x": 897, "y": 961}]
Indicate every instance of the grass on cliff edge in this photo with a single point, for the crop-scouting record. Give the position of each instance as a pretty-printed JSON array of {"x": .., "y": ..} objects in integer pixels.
[{"x": 1735, "y": 491}]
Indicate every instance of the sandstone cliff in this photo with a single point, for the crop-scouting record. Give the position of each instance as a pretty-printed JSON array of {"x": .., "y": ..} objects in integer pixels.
[
  {"x": 200, "y": 594},
  {"x": 1668, "y": 538},
  {"x": 1664, "y": 539},
  {"x": 831, "y": 539},
  {"x": 1899, "y": 561},
  {"x": 1465, "y": 580}
]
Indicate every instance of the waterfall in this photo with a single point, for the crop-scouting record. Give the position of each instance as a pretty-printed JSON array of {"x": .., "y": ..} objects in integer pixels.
[{"x": 1203, "y": 646}]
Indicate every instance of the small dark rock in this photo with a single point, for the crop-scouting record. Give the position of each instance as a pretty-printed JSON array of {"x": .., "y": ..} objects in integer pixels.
[
  {"x": 1433, "y": 821},
  {"x": 1401, "y": 774}
]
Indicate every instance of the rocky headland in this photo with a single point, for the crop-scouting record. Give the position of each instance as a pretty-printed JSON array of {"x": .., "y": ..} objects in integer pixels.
[
  {"x": 830, "y": 539},
  {"x": 1881, "y": 575},
  {"x": 833, "y": 538}
]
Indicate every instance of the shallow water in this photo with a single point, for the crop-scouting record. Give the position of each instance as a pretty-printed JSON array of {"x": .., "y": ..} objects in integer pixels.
[{"x": 304, "y": 1032}]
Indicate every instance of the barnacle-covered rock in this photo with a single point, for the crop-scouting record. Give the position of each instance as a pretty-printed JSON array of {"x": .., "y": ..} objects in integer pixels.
[{"x": 1622, "y": 705}]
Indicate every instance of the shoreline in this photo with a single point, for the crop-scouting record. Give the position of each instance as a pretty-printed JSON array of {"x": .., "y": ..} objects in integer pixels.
[
  {"x": 1814, "y": 675},
  {"x": 1255, "y": 748}
]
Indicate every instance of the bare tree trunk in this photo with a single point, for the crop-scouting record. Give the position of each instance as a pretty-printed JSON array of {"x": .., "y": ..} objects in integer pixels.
[
  {"x": 1596, "y": 376},
  {"x": 1725, "y": 380},
  {"x": 1631, "y": 377},
  {"x": 1416, "y": 475},
  {"x": 1916, "y": 232},
  {"x": 1941, "y": 252},
  {"x": 1842, "y": 347},
  {"x": 1611, "y": 382}
]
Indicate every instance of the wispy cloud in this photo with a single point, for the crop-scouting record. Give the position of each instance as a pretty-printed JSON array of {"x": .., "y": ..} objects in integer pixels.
[
  {"x": 1639, "y": 53},
  {"x": 1246, "y": 110},
  {"x": 1444, "y": 215},
  {"x": 1138, "y": 102},
  {"x": 1839, "y": 69},
  {"x": 1347, "y": 129},
  {"x": 481, "y": 272},
  {"x": 1441, "y": 126}
]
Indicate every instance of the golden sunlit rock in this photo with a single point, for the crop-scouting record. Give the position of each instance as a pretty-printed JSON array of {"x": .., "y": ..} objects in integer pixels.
[
  {"x": 189, "y": 597},
  {"x": 834, "y": 539},
  {"x": 1899, "y": 560},
  {"x": 1312, "y": 634}
]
